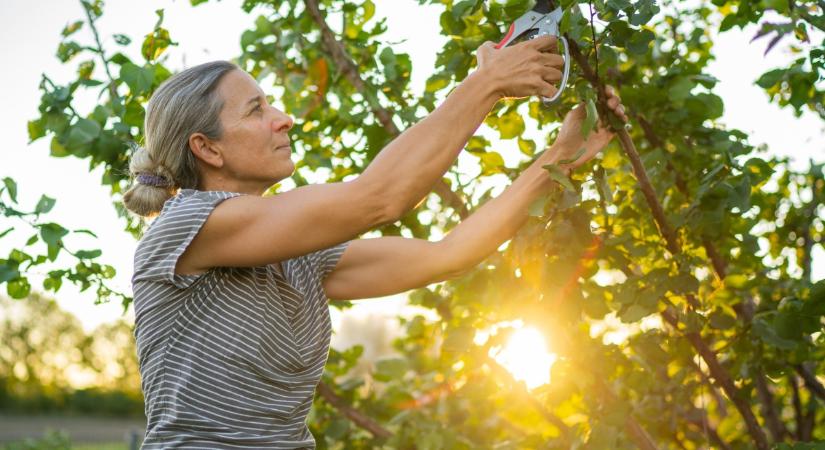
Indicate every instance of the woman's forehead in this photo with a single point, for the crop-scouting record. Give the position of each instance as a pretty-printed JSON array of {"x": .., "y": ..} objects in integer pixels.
[{"x": 238, "y": 87}]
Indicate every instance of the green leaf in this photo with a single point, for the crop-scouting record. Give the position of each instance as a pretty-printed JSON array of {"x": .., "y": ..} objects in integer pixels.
[
  {"x": 510, "y": 125},
  {"x": 463, "y": 8},
  {"x": 19, "y": 288},
  {"x": 536, "y": 208},
  {"x": 69, "y": 29},
  {"x": 765, "y": 331},
  {"x": 139, "y": 79},
  {"x": 680, "y": 89},
  {"x": 640, "y": 42},
  {"x": 67, "y": 50},
  {"x": 387, "y": 58},
  {"x": 156, "y": 43},
  {"x": 437, "y": 82},
  {"x": 8, "y": 273},
  {"x": 248, "y": 38},
  {"x": 573, "y": 158},
  {"x": 37, "y": 129},
  {"x": 84, "y": 231},
  {"x": 88, "y": 254},
  {"x": 721, "y": 320},
  {"x": 83, "y": 133},
  {"x": 390, "y": 369},
  {"x": 337, "y": 429},
  {"x": 45, "y": 204},
  {"x": 634, "y": 313},
  {"x": 122, "y": 39},
  {"x": 369, "y": 11},
  {"x": 770, "y": 78},
  {"x": 52, "y": 233},
  {"x": 642, "y": 12},
  {"x": 52, "y": 283},
  {"x": 683, "y": 283},
  {"x": 528, "y": 147},
  {"x": 558, "y": 175},
  {"x": 11, "y": 186},
  {"x": 591, "y": 119},
  {"x": 57, "y": 149},
  {"x": 491, "y": 163},
  {"x": 705, "y": 105}
]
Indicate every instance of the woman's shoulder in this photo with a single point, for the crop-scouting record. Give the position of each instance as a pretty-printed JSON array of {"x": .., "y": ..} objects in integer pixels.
[
  {"x": 189, "y": 201},
  {"x": 187, "y": 208},
  {"x": 194, "y": 196}
]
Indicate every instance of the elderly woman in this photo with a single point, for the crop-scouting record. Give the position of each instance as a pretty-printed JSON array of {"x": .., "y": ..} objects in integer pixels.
[{"x": 231, "y": 287}]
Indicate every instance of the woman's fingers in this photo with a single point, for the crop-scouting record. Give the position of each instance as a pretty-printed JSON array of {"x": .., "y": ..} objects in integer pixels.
[
  {"x": 552, "y": 60},
  {"x": 614, "y": 102},
  {"x": 545, "y": 43},
  {"x": 551, "y": 75},
  {"x": 550, "y": 90}
]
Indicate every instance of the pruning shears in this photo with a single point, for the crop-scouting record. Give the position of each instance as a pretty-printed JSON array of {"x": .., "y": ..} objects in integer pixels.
[{"x": 544, "y": 18}]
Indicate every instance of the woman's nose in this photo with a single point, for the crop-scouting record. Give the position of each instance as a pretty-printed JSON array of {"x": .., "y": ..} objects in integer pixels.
[{"x": 282, "y": 122}]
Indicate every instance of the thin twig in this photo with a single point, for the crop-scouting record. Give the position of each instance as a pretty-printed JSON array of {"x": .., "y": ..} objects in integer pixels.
[{"x": 100, "y": 51}]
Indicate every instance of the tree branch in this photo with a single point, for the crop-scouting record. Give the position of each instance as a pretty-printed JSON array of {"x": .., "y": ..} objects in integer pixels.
[
  {"x": 719, "y": 373},
  {"x": 350, "y": 70},
  {"x": 744, "y": 313},
  {"x": 103, "y": 58},
  {"x": 797, "y": 407},
  {"x": 522, "y": 390},
  {"x": 351, "y": 413},
  {"x": 717, "y": 396},
  {"x": 637, "y": 434},
  {"x": 712, "y": 433},
  {"x": 811, "y": 381},
  {"x": 775, "y": 425},
  {"x": 808, "y": 242}
]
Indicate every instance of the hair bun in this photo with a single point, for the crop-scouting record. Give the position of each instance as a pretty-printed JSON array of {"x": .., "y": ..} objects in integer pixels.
[{"x": 151, "y": 187}]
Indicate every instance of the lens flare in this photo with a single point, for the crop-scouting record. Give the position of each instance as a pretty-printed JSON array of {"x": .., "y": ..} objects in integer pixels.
[{"x": 526, "y": 357}]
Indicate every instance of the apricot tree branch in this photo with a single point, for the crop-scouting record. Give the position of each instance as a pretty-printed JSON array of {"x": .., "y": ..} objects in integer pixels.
[{"x": 716, "y": 369}]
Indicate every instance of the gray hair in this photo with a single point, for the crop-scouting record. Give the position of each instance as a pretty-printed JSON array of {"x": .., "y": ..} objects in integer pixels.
[{"x": 184, "y": 104}]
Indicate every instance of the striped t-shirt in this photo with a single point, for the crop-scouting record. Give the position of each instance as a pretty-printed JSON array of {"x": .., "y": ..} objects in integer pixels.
[{"x": 229, "y": 358}]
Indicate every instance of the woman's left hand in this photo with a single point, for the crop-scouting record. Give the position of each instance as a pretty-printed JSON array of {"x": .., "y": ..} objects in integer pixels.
[{"x": 570, "y": 141}]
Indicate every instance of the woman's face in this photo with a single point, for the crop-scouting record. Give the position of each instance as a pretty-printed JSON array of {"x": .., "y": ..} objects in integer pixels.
[{"x": 255, "y": 146}]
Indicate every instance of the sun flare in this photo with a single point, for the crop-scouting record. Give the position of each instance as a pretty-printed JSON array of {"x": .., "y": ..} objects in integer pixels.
[{"x": 526, "y": 357}]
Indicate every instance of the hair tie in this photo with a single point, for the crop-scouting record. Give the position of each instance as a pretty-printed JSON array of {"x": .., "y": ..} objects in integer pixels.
[{"x": 153, "y": 180}]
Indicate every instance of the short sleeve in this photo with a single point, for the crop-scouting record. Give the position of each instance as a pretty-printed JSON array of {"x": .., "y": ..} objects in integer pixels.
[
  {"x": 325, "y": 260},
  {"x": 171, "y": 233}
]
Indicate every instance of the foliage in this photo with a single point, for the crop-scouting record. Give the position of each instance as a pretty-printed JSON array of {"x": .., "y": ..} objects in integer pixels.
[
  {"x": 45, "y": 354},
  {"x": 15, "y": 270},
  {"x": 53, "y": 440},
  {"x": 724, "y": 319},
  {"x": 802, "y": 83}
]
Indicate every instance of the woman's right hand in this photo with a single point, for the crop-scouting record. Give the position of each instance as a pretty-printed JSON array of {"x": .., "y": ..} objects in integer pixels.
[{"x": 522, "y": 70}]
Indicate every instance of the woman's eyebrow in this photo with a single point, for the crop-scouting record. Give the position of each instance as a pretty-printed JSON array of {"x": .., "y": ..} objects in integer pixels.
[{"x": 257, "y": 99}]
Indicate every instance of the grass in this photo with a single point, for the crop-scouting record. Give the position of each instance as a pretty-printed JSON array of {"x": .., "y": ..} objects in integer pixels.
[{"x": 101, "y": 446}]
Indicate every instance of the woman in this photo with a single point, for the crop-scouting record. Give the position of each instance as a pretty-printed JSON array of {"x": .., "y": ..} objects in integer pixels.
[{"x": 231, "y": 288}]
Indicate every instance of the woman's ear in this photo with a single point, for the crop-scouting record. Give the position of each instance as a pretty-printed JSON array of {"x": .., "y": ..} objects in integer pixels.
[{"x": 205, "y": 150}]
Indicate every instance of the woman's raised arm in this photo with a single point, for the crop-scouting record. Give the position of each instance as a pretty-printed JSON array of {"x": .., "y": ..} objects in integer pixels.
[{"x": 411, "y": 164}]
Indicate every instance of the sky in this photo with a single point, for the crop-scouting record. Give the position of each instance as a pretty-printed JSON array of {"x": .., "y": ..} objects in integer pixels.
[{"x": 30, "y": 34}]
